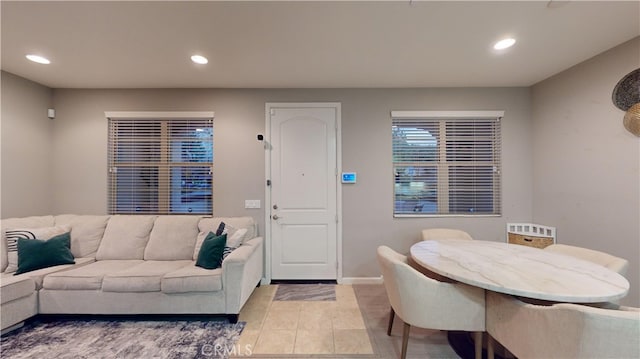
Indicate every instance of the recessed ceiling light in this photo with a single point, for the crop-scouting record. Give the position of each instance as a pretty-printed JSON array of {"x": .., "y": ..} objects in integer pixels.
[
  {"x": 504, "y": 43},
  {"x": 38, "y": 59},
  {"x": 198, "y": 59}
]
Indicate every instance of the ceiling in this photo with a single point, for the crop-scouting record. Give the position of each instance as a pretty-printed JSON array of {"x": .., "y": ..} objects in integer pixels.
[{"x": 306, "y": 44}]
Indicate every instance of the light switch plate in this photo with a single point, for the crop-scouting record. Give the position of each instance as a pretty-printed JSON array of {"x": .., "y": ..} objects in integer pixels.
[{"x": 252, "y": 203}]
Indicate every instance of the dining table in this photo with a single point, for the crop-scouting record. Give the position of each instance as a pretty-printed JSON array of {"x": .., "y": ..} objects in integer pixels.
[{"x": 520, "y": 270}]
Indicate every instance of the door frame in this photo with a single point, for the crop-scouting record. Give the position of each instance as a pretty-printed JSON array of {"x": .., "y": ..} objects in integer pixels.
[{"x": 267, "y": 189}]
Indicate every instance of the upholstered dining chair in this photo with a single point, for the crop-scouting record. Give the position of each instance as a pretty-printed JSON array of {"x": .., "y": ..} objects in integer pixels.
[
  {"x": 561, "y": 330},
  {"x": 614, "y": 263},
  {"x": 444, "y": 233},
  {"x": 427, "y": 303}
]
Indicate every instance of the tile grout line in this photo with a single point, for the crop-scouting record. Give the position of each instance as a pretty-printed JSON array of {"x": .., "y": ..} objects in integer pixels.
[
  {"x": 264, "y": 319},
  {"x": 295, "y": 338}
]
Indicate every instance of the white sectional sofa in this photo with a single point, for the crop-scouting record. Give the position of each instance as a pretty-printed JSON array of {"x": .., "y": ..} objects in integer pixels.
[{"x": 132, "y": 264}]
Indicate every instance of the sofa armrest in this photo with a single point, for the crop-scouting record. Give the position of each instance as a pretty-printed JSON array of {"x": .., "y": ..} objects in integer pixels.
[{"x": 241, "y": 272}]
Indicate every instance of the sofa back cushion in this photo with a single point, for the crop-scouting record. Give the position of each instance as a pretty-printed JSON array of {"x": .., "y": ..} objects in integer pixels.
[
  {"x": 125, "y": 237},
  {"x": 172, "y": 238},
  {"x": 25, "y": 222},
  {"x": 86, "y": 233},
  {"x": 211, "y": 225},
  {"x": 245, "y": 226},
  {"x": 28, "y": 222},
  {"x": 4, "y": 256},
  {"x": 13, "y": 235}
]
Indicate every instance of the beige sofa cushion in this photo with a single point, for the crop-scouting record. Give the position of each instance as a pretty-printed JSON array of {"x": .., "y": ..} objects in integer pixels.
[
  {"x": 125, "y": 237},
  {"x": 144, "y": 277},
  {"x": 235, "y": 238},
  {"x": 4, "y": 259},
  {"x": 211, "y": 225},
  {"x": 88, "y": 277},
  {"x": 86, "y": 232},
  {"x": 192, "y": 279},
  {"x": 38, "y": 275},
  {"x": 12, "y": 234},
  {"x": 14, "y": 287},
  {"x": 238, "y": 229},
  {"x": 172, "y": 238},
  {"x": 26, "y": 222}
]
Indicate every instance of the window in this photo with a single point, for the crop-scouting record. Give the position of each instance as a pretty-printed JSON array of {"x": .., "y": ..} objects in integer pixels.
[
  {"x": 446, "y": 162},
  {"x": 160, "y": 163}
]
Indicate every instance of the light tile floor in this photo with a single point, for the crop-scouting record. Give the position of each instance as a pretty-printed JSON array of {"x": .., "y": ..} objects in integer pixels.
[
  {"x": 304, "y": 327},
  {"x": 423, "y": 343},
  {"x": 333, "y": 329}
]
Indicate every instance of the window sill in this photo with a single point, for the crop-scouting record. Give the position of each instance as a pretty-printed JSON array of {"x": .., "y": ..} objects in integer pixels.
[{"x": 423, "y": 215}]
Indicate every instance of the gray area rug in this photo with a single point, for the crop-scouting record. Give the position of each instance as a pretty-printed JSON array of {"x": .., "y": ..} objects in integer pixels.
[
  {"x": 312, "y": 292},
  {"x": 123, "y": 339}
]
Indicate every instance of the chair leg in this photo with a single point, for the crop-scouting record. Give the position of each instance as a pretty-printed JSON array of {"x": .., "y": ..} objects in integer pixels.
[
  {"x": 405, "y": 340},
  {"x": 392, "y": 314},
  {"x": 477, "y": 339}
]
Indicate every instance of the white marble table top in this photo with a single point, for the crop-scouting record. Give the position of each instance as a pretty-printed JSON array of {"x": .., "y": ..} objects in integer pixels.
[{"x": 521, "y": 270}]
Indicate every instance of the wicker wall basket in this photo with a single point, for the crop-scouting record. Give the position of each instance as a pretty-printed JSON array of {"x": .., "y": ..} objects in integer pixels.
[
  {"x": 531, "y": 235},
  {"x": 632, "y": 119},
  {"x": 626, "y": 96}
]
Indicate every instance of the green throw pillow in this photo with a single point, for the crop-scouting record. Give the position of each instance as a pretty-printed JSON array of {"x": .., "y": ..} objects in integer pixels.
[
  {"x": 210, "y": 255},
  {"x": 37, "y": 254}
]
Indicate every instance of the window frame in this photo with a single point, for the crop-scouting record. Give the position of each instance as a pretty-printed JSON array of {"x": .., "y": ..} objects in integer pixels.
[
  {"x": 164, "y": 164},
  {"x": 443, "y": 193}
]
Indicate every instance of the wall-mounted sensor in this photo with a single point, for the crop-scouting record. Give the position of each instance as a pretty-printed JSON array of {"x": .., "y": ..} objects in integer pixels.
[
  {"x": 260, "y": 137},
  {"x": 51, "y": 113},
  {"x": 349, "y": 177}
]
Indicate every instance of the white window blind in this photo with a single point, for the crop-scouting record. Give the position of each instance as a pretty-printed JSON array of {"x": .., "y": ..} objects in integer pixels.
[
  {"x": 447, "y": 162},
  {"x": 160, "y": 165}
]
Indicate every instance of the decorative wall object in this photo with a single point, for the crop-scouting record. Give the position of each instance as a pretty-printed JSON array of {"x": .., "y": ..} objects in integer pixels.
[
  {"x": 626, "y": 96},
  {"x": 632, "y": 120}
]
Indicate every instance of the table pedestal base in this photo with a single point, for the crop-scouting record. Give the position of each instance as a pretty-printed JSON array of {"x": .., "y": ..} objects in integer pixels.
[{"x": 462, "y": 344}]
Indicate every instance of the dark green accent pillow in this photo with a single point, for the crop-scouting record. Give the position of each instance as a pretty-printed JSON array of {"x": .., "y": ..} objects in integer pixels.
[
  {"x": 210, "y": 255},
  {"x": 37, "y": 254}
]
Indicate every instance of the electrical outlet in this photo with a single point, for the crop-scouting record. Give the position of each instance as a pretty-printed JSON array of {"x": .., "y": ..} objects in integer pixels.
[{"x": 252, "y": 203}]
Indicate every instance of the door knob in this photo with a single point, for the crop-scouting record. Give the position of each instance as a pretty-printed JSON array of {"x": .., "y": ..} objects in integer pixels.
[{"x": 275, "y": 217}]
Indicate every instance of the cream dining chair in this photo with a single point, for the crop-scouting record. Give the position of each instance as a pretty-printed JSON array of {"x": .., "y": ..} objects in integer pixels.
[
  {"x": 427, "y": 303},
  {"x": 614, "y": 263},
  {"x": 444, "y": 233},
  {"x": 561, "y": 330}
]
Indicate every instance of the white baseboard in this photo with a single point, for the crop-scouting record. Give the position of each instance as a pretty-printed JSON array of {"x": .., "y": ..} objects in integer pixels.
[{"x": 361, "y": 280}]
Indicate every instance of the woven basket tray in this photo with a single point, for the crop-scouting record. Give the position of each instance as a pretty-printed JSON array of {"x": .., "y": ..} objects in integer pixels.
[
  {"x": 531, "y": 241},
  {"x": 532, "y": 235}
]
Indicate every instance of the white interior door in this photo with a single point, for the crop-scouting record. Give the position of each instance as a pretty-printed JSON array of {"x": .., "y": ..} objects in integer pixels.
[{"x": 303, "y": 201}]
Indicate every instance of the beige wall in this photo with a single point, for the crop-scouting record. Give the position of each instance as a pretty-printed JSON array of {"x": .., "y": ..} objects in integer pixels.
[
  {"x": 552, "y": 173},
  {"x": 80, "y": 154},
  {"x": 586, "y": 166},
  {"x": 26, "y": 148}
]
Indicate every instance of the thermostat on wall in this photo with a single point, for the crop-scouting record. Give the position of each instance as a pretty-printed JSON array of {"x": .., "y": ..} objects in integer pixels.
[{"x": 348, "y": 177}]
